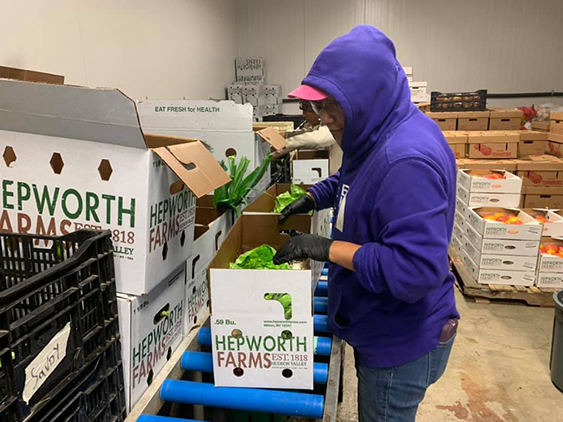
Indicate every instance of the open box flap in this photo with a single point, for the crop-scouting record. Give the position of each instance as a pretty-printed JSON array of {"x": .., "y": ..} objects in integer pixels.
[
  {"x": 99, "y": 115},
  {"x": 272, "y": 136},
  {"x": 206, "y": 174}
]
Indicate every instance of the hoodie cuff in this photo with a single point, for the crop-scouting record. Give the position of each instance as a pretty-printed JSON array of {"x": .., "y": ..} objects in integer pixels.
[{"x": 367, "y": 268}]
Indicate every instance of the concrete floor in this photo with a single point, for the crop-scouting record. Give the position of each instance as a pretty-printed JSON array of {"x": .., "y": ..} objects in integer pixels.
[{"x": 498, "y": 371}]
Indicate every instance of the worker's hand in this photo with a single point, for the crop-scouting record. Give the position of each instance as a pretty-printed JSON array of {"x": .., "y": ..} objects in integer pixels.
[
  {"x": 301, "y": 206},
  {"x": 281, "y": 153},
  {"x": 302, "y": 247}
]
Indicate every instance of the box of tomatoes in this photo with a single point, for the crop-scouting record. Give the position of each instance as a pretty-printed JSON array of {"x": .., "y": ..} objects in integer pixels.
[
  {"x": 551, "y": 220},
  {"x": 504, "y": 223},
  {"x": 550, "y": 267},
  {"x": 494, "y": 181}
]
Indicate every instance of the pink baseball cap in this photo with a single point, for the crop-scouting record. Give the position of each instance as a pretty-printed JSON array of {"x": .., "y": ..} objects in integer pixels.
[{"x": 307, "y": 93}]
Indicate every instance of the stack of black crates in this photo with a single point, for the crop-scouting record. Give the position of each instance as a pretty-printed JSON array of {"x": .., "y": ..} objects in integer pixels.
[{"x": 57, "y": 291}]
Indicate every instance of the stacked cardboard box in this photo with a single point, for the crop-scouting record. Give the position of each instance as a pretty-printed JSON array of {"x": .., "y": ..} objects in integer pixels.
[
  {"x": 500, "y": 253},
  {"x": 310, "y": 166},
  {"x": 550, "y": 264},
  {"x": 532, "y": 143},
  {"x": 476, "y": 190},
  {"x": 505, "y": 118},
  {"x": 555, "y": 136},
  {"x": 457, "y": 142},
  {"x": 542, "y": 177},
  {"x": 418, "y": 92},
  {"x": 446, "y": 121},
  {"x": 96, "y": 169},
  {"x": 473, "y": 120},
  {"x": 250, "y": 87},
  {"x": 493, "y": 144}
]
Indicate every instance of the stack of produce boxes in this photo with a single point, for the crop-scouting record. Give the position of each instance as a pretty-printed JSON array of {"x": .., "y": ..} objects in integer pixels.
[
  {"x": 550, "y": 264},
  {"x": 555, "y": 136},
  {"x": 500, "y": 243},
  {"x": 493, "y": 144},
  {"x": 457, "y": 140},
  {"x": 542, "y": 177}
]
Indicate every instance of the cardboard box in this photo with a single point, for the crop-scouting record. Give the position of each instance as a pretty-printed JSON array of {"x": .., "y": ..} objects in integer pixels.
[
  {"x": 530, "y": 230},
  {"x": 498, "y": 276},
  {"x": 456, "y": 242},
  {"x": 541, "y": 126},
  {"x": 235, "y": 93},
  {"x": 75, "y": 165},
  {"x": 459, "y": 219},
  {"x": 461, "y": 207},
  {"x": 474, "y": 181},
  {"x": 493, "y": 144},
  {"x": 544, "y": 201},
  {"x": 549, "y": 280},
  {"x": 446, "y": 121},
  {"x": 479, "y": 199},
  {"x": 470, "y": 163},
  {"x": 554, "y": 227},
  {"x": 457, "y": 142},
  {"x": 505, "y": 119},
  {"x": 532, "y": 147},
  {"x": 151, "y": 330},
  {"x": 458, "y": 230},
  {"x": 501, "y": 246},
  {"x": 250, "y": 70},
  {"x": 265, "y": 203},
  {"x": 310, "y": 166},
  {"x": 501, "y": 262},
  {"x": 550, "y": 263},
  {"x": 473, "y": 120},
  {"x": 556, "y": 126},
  {"x": 30, "y": 76},
  {"x": 541, "y": 171},
  {"x": 239, "y": 307}
]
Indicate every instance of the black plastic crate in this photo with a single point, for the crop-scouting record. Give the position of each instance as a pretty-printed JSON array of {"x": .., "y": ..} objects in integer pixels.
[
  {"x": 97, "y": 393},
  {"x": 458, "y": 101},
  {"x": 47, "y": 284}
]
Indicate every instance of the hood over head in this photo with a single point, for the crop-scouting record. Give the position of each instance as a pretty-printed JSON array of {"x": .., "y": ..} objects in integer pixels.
[{"x": 361, "y": 72}]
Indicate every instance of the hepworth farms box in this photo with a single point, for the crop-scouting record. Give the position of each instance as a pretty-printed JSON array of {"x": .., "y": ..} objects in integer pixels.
[
  {"x": 76, "y": 157},
  {"x": 224, "y": 126},
  {"x": 257, "y": 340},
  {"x": 151, "y": 330}
]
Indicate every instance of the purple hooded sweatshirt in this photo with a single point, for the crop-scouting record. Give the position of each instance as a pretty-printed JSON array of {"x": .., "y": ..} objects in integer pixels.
[{"x": 395, "y": 196}]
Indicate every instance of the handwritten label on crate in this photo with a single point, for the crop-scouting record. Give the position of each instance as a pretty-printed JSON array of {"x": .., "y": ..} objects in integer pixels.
[{"x": 45, "y": 363}]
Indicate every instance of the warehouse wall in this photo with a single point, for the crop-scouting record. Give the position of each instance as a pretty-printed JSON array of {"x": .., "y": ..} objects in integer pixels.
[
  {"x": 156, "y": 49},
  {"x": 501, "y": 45}
]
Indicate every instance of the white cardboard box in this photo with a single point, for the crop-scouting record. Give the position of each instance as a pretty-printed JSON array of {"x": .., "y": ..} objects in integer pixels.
[
  {"x": 151, "y": 330},
  {"x": 482, "y": 199},
  {"x": 461, "y": 207},
  {"x": 530, "y": 230},
  {"x": 250, "y": 70},
  {"x": 456, "y": 242},
  {"x": 502, "y": 246},
  {"x": 254, "y": 344},
  {"x": 552, "y": 280},
  {"x": 82, "y": 161},
  {"x": 551, "y": 263},
  {"x": 235, "y": 93},
  {"x": 555, "y": 227},
  {"x": 309, "y": 172},
  {"x": 498, "y": 276},
  {"x": 473, "y": 181},
  {"x": 503, "y": 262}
]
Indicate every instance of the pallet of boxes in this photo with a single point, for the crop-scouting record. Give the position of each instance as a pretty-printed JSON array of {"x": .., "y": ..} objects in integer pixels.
[{"x": 87, "y": 168}]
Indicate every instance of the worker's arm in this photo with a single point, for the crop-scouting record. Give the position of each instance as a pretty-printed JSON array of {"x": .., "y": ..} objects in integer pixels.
[
  {"x": 314, "y": 139},
  {"x": 410, "y": 258}
]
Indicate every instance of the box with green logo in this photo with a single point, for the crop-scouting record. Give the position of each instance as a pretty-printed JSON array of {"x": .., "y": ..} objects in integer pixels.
[
  {"x": 76, "y": 157},
  {"x": 262, "y": 320},
  {"x": 151, "y": 329}
]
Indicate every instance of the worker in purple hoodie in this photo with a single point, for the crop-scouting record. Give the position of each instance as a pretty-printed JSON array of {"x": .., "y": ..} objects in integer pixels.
[{"x": 391, "y": 291}]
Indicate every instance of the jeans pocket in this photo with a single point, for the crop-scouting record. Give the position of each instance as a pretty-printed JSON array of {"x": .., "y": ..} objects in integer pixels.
[
  {"x": 447, "y": 343},
  {"x": 440, "y": 356}
]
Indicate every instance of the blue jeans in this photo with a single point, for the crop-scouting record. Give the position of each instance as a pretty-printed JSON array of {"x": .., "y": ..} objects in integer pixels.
[{"x": 393, "y": 394}]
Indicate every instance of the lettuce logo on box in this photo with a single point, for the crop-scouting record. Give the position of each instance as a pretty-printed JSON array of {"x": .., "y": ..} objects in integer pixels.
[{"x": 79, "y": 210}]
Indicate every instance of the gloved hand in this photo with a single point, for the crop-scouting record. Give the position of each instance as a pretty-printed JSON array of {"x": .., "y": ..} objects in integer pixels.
[
  {"x": 304, "y": 246},
  {"x": 302, "y": 206}
]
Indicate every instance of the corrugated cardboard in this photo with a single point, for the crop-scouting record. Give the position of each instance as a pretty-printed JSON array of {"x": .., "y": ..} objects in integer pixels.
[
  {"x": 239, "y": 308},
  {"x": 474, "y": 181},
  {"x": 459, "y": 150},
  {"x": 542, "y": 190},
  {"x": 446, "y": 121},
  {"x": 505, "y": 119},
  {"x": 556, "y": 122},
  {"x": 544, "y": 201},
  {"x": 541, "y": 126},
  {"x": 30, "y": 76},
  {"x": 530, "y": 230},
  {"x": 555, "y": 225},
  {"x": 493, "y": 150},
  {"x": 151, "y": 330},
  {"x": 473, "y": 120},
  {"x": 498, "y": 276},
  {"x": 469, "y": 163},
  {"x": 83, "y": 152},
  {"x": 455, "y": 137},
  {"x": 250, "y": 70}
]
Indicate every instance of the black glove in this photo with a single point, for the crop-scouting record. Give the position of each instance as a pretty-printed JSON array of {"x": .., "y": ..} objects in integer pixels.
[
  {"x": 304, "y": 246},
  {"x": 302, "y": 206}
]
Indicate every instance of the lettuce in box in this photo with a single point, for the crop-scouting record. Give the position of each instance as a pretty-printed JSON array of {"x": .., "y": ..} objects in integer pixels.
[{"x": 260, "y": 258}]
